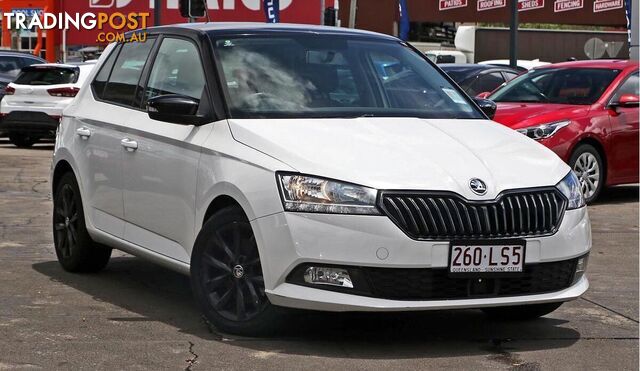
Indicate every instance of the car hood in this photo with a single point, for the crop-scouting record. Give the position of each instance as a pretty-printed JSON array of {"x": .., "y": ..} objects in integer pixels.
[
  {"x": 406, "y": 153},
  {"x": 522, "y": 115}
]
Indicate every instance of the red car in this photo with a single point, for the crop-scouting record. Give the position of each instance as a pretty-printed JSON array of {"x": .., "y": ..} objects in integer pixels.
[{"x": 586, "y": 112}]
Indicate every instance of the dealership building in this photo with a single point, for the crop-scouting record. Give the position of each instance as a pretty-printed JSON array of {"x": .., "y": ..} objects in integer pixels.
[{"x": 431, "y": 20}]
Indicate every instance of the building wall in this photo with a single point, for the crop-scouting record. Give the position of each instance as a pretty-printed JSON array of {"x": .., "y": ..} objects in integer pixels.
[{"x": 380, "y": 15}]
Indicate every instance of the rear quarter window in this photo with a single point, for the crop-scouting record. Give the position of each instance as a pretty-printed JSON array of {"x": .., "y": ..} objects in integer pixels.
[{"x": 47, "y": 76}]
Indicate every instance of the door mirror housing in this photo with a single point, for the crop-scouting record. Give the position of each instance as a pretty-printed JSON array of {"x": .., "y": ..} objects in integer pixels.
[
  {"x": 627, "y": 101},
  {"x": 484, "y": 95},
  {"x": 487, "y": 106},
  {"x": 175, "y": 109}
]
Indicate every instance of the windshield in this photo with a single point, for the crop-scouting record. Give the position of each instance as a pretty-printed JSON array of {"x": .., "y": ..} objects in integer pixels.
[
  {"x": 305, "y": 75},
  {"x": 559, "y": 86}
]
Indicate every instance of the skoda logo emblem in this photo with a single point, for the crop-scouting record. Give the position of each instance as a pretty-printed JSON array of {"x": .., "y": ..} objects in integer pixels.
[
  {"x": 238, "y": 271},
  {"x": 477, "y": 186}
]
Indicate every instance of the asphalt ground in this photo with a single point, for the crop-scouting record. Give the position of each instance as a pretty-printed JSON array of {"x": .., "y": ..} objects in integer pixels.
[{"x": 135, "y": 315}]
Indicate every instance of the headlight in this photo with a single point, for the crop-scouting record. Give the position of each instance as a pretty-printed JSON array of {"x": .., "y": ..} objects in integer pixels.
[
  {"x": 570, "y": 187},
  {"x": 312, "y": 194},
  {"x": 545, "y": 130}
]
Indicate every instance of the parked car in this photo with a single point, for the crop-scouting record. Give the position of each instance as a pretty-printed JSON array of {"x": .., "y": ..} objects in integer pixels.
[
  {"x": 33, "y": 103},
  {"x": 523, "y": 65},
  {"x": 11, "y": 62},
  {"x": 477, "y": 78},
  {"x": 4, "y": 81},
  {"x": 586, "y": 112},
  {"x": 292, "y": 173},
  {"x": 446, "y": 56}
]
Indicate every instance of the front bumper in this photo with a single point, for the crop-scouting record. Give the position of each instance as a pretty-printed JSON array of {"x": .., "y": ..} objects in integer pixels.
[
  {"x": 27, "y": 122},
  {"x": 287, "y": 240}
]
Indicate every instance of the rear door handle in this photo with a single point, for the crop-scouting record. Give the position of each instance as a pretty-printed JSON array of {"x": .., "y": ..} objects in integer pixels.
[
  {"x": 83, "y": 133},
  {"x": 129, "y": 145}
]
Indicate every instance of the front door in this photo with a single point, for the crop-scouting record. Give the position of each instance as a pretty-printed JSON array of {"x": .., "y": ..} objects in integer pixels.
[
  {"x": 624, "y": 136},
  {"x": 161, "y": 161}
]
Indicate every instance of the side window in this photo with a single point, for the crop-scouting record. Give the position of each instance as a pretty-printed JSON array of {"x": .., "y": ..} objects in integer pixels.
[
  {"x": 29, "y": 62},
  {"x": 486, "y": 83},
  {"x": 11, "y": 65},
  {"x": 630, "y": 86},
  {"x": 123, "y": 82},
  {"x": 176, "y": 70},
  {"x": 102, "y": 77},
  {"x": 509, "y": 75}
]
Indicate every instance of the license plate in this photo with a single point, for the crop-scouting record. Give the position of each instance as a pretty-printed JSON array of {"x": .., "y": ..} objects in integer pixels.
[{"x": 503, "y": 257}]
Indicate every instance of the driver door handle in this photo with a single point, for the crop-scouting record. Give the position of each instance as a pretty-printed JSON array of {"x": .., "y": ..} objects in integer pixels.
[
  {"x": 84, "y": 132},
  {"x": 129, "y": 145}
]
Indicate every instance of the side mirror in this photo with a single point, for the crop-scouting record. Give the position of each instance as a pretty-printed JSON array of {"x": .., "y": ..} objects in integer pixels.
[
  {"x": 175, "y": 109},
  {"x": 487, "y": 106},
  {"x": 483, "y": 95},
  {"x": 627, "y": 101}
]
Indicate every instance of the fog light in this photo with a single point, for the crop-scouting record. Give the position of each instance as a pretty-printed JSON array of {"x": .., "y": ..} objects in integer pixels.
[
  {"x": 328, "y": 276},
  {"x": 581, "y": 267}
]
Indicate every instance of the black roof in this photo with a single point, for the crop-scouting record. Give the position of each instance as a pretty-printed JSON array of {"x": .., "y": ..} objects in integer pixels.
[
  {"x": 254, "y": 27},
  {"x": 464, "y": 71}
]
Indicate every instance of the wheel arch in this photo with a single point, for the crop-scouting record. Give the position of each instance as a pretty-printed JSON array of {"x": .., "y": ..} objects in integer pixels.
[
  {"x": 219, "y": 203},
  {"x": 601, "y": 151},
  {"x": 61, "y": 168}
]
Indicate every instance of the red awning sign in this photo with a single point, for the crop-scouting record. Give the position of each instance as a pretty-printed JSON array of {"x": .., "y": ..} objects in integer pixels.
[
  {"x": 564, "y": 5},
  {"x": 491, "y": 4},
  {"x": 452, "y": 4},
  {"x": 604, "y": 5},
  {"x": 524, "y": 5}
]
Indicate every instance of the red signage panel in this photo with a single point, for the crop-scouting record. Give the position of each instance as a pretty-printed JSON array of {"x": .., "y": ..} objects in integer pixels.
[
  {"x": 524, "y": 5},
  {"x": 292, "y": 11},
  {"x": 490, "y": 4},
  {"x": 564, "y": 5},
  {"x": 605, "y": 5},
  {"x": 452, "y": 4}
]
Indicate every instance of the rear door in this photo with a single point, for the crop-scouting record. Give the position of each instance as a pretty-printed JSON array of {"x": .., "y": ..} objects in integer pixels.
[
  {"x": 100, "y": 125},
  {"x": 160, "y": 172}
]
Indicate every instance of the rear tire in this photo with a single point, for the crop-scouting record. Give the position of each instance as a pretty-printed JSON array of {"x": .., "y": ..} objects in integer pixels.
[
  {"x": 75, "y": 249},
  {"x": 521, "y": 312},
  {"x": 587, "y": 163},
  {"x": 226, "y": 276},
  {"x": 22, "y": 140}
]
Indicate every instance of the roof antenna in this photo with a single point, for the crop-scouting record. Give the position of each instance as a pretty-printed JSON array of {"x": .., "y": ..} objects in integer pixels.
[{"x": 206, "y": 9}]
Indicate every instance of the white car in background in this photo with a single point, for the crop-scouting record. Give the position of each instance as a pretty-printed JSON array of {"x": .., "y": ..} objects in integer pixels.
[
  {"x": 33, "y": 103},
  {"x": 522, "y": 64}
]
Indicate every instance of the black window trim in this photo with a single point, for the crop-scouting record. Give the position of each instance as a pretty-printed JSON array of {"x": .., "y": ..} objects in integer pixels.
[
  {"x": 152, "y": 53},
  {"x": 615, "y": 91},
  {"x": 146, "y": 74}
]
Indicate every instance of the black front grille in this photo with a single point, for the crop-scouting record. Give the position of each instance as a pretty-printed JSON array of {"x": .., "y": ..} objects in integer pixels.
[
  {"x": 445, "y": 216},
  {"x": 434, "y": 284}
]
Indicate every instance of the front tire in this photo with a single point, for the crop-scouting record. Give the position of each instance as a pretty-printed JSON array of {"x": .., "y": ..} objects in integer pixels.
[
  {"x": 75, "y": 249},
  {"x": 587, "y": 163},
  {"x": 22, "y": 140},
  {"x": 227, "y": 279},
  {"x": 521, "y": 312}
]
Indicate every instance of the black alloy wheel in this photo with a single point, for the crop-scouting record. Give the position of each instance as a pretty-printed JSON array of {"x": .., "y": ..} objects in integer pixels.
[
  {"x": 75, "y": 249},
  {"x": 232, "y": 273},
  {"x": 65, "y": 222},
  {"x": 227, "y": 277}
]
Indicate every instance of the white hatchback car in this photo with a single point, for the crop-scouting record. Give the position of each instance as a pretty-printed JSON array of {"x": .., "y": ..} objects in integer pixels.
[
  {"x": 34, "y": 101},
  {"x": 279, "y": 167}
]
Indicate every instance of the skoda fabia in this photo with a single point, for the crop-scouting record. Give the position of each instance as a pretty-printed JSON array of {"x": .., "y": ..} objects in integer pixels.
[{"x": 314, "y": 168}]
